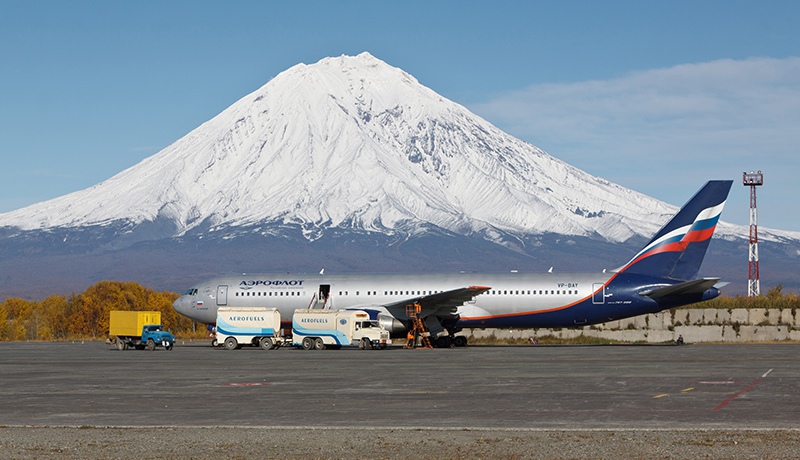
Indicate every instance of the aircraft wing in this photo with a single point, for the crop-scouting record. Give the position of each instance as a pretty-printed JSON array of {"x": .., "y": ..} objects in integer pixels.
[
  {"x": 442, "y": 303},
  {"x": 697, "y": 286}
]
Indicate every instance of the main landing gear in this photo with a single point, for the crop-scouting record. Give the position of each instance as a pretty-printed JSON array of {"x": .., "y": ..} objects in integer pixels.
[{"x": 428, "y": 332}]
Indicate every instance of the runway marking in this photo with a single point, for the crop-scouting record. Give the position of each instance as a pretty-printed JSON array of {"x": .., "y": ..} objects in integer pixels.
[
  {"x": 253, "y": 384},
  {"x": 662, "y": 395},
  {"x": 736, "y": 395},
  {"x": 686, "y": 390}
]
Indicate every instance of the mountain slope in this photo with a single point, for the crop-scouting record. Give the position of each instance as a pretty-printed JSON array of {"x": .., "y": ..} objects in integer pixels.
[
  {"x": 352, "y": 142},
  {"x": 350, "y": 165}
]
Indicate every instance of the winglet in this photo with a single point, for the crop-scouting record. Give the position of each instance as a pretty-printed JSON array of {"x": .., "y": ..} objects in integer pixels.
[{"x": 479, "y": 288}]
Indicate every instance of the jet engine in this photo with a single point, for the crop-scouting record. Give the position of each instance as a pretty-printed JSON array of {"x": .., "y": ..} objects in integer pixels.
[{"x": 391, "y": 324}]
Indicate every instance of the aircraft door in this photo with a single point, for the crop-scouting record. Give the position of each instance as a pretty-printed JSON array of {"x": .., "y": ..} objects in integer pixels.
[
  {"x": 324, "y": 295},
  {"x": 222, "y": 295},
  {"x": 599, "y": 293}
]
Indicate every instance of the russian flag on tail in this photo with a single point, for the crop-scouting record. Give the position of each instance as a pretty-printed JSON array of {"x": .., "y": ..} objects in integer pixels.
[{"x": 678, "y": 249}]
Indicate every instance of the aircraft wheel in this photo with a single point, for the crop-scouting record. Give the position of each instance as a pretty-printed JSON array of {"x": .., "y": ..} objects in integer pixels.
[
  {"x": 308, "y": 343},
  {"x": 266, "y": 343},
  {"x": 214, "y": 343},
  {"x": 151, "y": 345},
  {"x": 319, "y": 344},
  {"x": 460, "y": 341},
  {"x": 231, "y": 343},
  {"x": 444, "y": 342}
]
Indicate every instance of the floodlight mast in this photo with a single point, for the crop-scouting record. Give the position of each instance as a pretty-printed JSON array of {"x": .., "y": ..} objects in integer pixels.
[{"x": 753, "y": 282}]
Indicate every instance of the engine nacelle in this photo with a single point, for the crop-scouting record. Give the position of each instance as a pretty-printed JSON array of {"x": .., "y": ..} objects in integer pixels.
[{"x": 391, "y": 324}]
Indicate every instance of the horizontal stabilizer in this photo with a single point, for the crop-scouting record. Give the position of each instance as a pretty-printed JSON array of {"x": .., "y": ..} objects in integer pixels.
[{"x": 697, "y": 286}]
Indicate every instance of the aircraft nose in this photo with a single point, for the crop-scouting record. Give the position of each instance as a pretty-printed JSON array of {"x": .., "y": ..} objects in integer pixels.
[{"x": 181, "y": 305}]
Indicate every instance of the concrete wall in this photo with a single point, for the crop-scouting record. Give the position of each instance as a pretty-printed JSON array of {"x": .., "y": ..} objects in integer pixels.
[{"x": 695, "y": 325}]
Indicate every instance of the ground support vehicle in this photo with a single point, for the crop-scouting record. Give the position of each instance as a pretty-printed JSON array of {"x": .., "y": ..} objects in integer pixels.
[
  {"x": 255, "y": 326},
  {"x": 320, "y": 329},
  {"x": 139, "y": 329}
]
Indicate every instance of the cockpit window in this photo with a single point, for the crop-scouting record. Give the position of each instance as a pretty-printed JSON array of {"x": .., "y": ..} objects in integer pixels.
[{"x": 192, "y": 291}]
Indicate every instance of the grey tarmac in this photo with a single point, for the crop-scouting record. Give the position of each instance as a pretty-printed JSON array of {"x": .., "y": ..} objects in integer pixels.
[{"x": 88, "y": 400}]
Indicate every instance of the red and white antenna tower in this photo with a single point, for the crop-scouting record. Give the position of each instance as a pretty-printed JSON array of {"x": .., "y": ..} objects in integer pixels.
[{"x": 753, "y": 283}]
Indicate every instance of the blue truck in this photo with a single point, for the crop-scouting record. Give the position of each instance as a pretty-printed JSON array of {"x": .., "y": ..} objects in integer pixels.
[{"x": 140, "y": 330}]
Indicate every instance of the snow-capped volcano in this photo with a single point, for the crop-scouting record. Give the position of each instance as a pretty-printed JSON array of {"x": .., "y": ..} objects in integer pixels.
[
  {"x": 351, "y": 165},
  {"x": 352, "y": 142}
]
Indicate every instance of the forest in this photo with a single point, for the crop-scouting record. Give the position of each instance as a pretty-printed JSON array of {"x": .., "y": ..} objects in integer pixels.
[{"x": 85, "y": 316}]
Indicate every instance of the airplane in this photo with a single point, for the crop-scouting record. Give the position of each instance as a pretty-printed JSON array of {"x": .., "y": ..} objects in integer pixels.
[{"x": 661, "y": 276}]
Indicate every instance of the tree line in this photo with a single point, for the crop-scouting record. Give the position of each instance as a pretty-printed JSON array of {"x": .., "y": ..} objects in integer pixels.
[{"x": 86, "y": 315}]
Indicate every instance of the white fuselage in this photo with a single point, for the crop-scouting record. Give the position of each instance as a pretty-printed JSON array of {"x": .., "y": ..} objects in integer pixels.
[{"x": 510, "y": 294}]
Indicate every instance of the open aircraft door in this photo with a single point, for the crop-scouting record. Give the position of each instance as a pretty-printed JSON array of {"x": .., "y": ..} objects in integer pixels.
[
  {"x": 222, "y": 295},
  {"x": 324, "y": 296}
]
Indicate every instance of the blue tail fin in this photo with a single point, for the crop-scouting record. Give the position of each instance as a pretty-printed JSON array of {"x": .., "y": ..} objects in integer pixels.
[{"x": 678, "y": 249}]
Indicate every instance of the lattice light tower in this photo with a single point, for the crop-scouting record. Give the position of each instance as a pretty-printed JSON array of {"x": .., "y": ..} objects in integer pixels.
[{"x": 753, "y": 283}]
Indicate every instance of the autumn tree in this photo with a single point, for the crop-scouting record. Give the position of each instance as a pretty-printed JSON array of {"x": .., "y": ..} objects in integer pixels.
[
  {"x": 3, "y": 322},
  {"x": 55, "y": 311},
  {"x": 90, "y": 309},
  {"x": 21, "y": 319}
]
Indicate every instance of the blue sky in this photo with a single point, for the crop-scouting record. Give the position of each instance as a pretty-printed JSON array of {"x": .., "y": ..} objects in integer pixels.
[{"x": 655, "y": 96}]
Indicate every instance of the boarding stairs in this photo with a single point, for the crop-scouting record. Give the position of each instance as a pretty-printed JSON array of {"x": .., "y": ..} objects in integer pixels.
[{"x": 417, "y": 328}]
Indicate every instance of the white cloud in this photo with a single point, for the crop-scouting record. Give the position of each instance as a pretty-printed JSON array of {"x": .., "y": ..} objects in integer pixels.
[
  {"x": 719, "y": 101},
  {"x": 695, "y": 121}
]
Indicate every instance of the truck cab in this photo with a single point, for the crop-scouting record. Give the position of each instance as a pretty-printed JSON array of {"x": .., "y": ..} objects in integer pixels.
[{"x": 154, "y": 334}]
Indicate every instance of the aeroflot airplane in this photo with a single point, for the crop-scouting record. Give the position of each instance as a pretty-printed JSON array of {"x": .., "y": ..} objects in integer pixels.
[{"x": 660, "y": 276}]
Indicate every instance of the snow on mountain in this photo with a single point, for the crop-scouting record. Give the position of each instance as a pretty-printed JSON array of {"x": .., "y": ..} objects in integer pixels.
[{"x": 352, "y": 142}]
